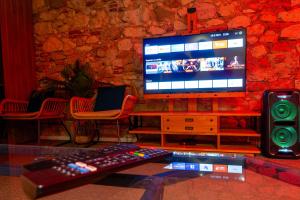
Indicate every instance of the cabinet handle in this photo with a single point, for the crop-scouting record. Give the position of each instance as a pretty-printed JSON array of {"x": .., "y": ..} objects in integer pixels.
[
  {"x": 168, "y": 120},
  {"x": 211, "y": 129},
  {"x": 189, "y": 119},
  {"x": 211, "y": 120},
  {"x": 168, "y": 128},
  {"x": 189, "y": 128}
]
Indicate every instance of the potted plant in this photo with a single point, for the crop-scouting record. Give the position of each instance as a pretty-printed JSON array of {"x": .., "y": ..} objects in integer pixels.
[{"x": 78, "y": 81}]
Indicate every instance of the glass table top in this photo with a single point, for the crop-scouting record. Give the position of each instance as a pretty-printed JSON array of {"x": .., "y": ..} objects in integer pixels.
[{"x": 185, "y": 175}]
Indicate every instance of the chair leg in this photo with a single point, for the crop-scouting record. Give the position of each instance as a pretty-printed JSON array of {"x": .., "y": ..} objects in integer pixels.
[
  {"x": 97, "y": 130},
  {"x": 76, "y": 125},
  {"x": 39, "y": 130},
  {"x": 68, "y": 132},
  {"x": 93, "y": 127},
  {"x": 118, "y": 130}
]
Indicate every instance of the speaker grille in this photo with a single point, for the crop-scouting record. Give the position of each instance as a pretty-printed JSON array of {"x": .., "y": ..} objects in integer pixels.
[
  {"x": 284, "y": 136},
  {"x": 284, "y": 110}
]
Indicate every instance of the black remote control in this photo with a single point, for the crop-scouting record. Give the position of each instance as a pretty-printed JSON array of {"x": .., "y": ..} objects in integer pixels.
[
  {"x": 79, "y": 156},
  {"x": 70, "y": 172}
]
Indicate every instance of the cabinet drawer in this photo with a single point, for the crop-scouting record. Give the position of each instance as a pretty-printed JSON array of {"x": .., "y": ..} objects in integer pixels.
[{"x": 189, "y": 124}]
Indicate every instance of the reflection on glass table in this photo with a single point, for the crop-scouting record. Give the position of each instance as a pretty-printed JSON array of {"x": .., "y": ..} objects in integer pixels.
[{"x": 185, "y": 175}]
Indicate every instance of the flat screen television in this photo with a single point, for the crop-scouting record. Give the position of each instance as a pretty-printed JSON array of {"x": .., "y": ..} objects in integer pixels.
[{"x": 204, "y": 65}]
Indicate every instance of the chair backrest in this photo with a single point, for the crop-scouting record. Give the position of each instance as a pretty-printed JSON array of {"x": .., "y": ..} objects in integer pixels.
[
  {"x": 13, "y": 106},
  {"x": 52, "y": 108},
  {"x": 127, "y": 106},
  {"x": 80, "y": 104}
]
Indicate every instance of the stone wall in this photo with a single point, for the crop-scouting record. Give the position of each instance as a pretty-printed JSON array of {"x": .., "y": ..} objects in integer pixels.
[{"x": 108, "y": 34}]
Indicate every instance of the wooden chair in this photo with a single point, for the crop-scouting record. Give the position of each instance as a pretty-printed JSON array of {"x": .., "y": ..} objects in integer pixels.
[
  {"x": 51, "y": 108},
  {"x": 83, "y": 109}
]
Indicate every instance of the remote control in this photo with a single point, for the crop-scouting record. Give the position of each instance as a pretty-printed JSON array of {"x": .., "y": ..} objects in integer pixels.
[
  {"x": 70, "y": 172},
  {"x": 78, "y": 156}
]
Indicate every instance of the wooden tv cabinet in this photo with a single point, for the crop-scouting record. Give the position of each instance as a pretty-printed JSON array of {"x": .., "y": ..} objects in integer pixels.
[{"x": 206, "y": 125}]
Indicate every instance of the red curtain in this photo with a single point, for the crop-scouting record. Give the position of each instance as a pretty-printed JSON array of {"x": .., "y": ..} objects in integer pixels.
[{"x": 17, "y": 48}]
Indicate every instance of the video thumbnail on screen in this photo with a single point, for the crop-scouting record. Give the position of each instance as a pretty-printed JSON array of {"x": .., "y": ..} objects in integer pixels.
[
  {"x": 186, "y": 65},
  {"x": 212, "y": 64},
  {"x": 157, "y": 67},
  {"x": 235, "y": 62}
]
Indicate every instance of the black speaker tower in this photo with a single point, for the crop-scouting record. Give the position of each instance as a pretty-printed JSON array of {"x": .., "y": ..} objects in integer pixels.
[{"x": 280, "y": 123}]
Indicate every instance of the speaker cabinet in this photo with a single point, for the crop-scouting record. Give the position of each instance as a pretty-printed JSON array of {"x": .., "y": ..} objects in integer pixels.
[{"x": 280, "y": 123}]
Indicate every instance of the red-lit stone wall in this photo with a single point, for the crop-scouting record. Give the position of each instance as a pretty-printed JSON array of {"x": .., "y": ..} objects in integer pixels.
[{"x": 108, "y": 34}]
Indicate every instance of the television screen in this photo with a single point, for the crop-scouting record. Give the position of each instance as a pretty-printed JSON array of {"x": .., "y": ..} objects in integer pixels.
[{"x": 207, "y": 62}]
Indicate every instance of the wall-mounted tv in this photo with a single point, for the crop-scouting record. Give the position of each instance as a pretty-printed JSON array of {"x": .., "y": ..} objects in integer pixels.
[{"x": 200, "y": 65}]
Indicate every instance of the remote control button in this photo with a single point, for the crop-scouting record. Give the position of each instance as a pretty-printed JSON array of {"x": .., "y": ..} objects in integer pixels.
[
  {"x": 72, "y": 166},
  {"x": 68, "y": 174},
  {"x": 91, "y": 168},
  {"x": 81, "y": 164},
  {"x": 82, "y": 170}
]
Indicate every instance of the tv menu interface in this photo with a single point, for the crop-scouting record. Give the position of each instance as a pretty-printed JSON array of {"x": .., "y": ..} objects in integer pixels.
[
  {"x": 215, "y": 165},
  {"x": 210, "y": 62}
]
